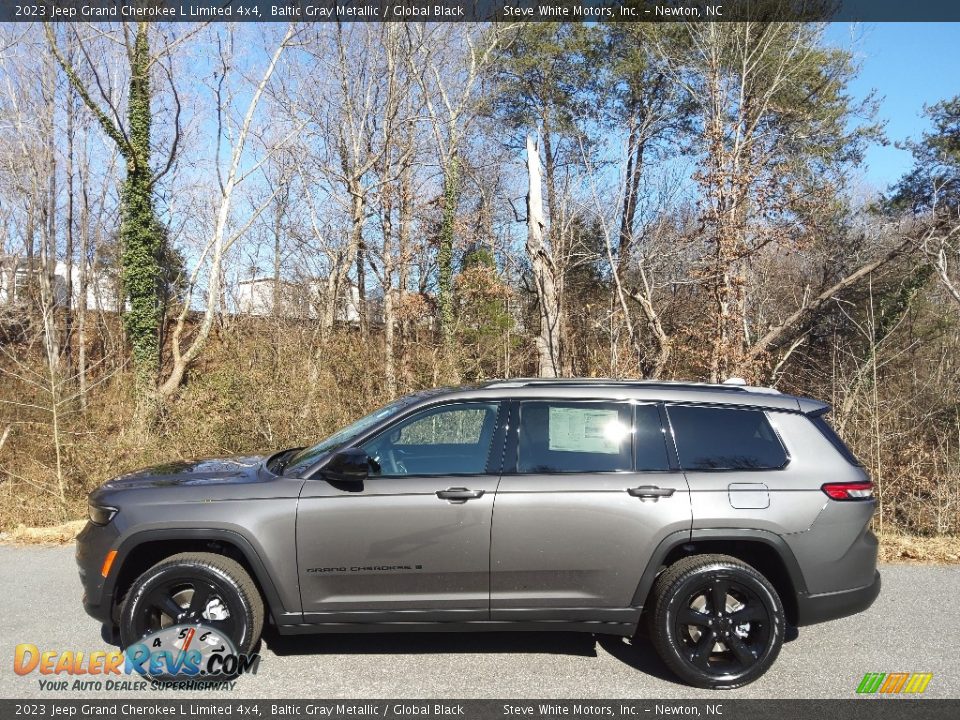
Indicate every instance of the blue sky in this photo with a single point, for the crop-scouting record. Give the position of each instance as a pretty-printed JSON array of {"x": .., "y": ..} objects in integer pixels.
[{"x": 908, "y": 64}]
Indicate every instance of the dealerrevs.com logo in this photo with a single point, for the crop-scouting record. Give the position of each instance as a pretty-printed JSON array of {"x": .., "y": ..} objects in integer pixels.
[
  {"x": 184, "y": 657},
  {"x": 894, "y": 683}
]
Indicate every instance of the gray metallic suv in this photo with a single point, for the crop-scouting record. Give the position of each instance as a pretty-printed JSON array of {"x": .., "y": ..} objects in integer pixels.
[{"x": 715, "y": 514}]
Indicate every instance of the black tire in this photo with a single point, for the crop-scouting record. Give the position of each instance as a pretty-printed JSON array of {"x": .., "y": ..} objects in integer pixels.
[
  {"x": 220, "y": 576},
  {"x": 707, "y": 645}
]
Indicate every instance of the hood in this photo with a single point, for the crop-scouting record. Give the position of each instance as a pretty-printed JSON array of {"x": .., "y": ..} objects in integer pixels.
[{"x": 212, "y": 471}]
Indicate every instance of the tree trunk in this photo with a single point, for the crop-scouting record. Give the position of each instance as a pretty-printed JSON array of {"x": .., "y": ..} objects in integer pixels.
[
  {"x": 361, "y": 263},
  {"x": 548, "y": 340},
  {"x": 451, "y": 197},
  {"x": 48, "y": 240},
  {"x": 69, "y": 309},
  {"x": 403, "y": 281},
  {"x": 558, "y": 252},
  {"x": 389, "y": 366},
  {"x": 635, "y": 149},
  {"x": 218, "y": 246},
  {"x": 141, "y": 240},
  {"x": 82, "y": 316},
  {"x": 279, "y": 209}
]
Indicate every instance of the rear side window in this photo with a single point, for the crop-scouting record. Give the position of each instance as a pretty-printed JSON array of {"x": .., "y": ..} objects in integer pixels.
[
  {"x": 725, "y": 439},
  {"x": 574, "y": 437},
  {"x": 820, "y": 422}
]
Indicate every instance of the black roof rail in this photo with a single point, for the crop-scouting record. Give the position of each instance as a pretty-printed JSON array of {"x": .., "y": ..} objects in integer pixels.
[{"x": 653, "y": 384}]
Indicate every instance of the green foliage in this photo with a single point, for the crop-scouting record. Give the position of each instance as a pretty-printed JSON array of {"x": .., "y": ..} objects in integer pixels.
[
  {"x": 141, "y": 235},
  {"x": 792, "y": 112},
  {"x": 935, "y": 178},
  {"x": 637, "y": 77},
  {"x": 143, "y": 251},
  {"x": 548, "y": 76},
  {"x": 483, "y": 317}
]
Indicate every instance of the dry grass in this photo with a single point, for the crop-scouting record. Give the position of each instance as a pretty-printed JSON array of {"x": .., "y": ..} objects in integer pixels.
[
  {"x": 912, "y": 549},
  {"x": 52, "y": 535}
]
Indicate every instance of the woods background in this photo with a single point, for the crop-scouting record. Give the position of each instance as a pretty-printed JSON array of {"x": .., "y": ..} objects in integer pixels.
[{"x": 220, "y": 239}]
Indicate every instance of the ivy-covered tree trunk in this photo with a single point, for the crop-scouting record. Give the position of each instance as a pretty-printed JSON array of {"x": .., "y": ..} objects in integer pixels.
[
  {"x": 141, "y": 236},
  {"x": 139, "y": 231}
]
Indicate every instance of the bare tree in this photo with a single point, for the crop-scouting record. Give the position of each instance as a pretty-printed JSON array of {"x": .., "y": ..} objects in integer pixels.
[
  {"x": 544, "y": 269},
  {"x": 449, "y": 62},
  {"x": 224, "y": 234}
]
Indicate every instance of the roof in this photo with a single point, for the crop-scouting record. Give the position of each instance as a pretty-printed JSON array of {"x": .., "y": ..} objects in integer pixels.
[{"x": 732, "y": 392}]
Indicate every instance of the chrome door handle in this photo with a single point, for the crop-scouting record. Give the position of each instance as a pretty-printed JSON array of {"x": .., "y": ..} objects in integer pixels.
[
  {"x": 651, "y": 492},
  {"x": 459, "y": 494}
]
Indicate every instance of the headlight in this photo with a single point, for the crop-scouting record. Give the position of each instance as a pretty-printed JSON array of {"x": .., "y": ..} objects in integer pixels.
[{"x": 100, "y": 515}]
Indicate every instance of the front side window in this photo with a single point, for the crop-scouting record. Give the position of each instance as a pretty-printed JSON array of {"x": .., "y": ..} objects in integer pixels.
[
  {"x": 447, "y": 440},
  {"x": 712, "y": 438},
  {"x": 574, "y": 437},
  {"x": 308, "y": 456}
]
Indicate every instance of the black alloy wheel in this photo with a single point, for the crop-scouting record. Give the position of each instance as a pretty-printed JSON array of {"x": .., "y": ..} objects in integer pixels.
[
  {"x": 717, "y": 622},
  {"x": 188, "y": 600},
  {"x": 194, "y": 589}
]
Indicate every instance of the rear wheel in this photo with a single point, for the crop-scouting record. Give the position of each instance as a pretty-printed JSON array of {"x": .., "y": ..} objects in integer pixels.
[
  {"x": 716, "y": 621},
  {"x": 194, "y": 589}
]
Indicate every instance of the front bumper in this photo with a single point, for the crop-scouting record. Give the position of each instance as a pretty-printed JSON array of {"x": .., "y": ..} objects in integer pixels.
[
  {"x": 819, "y": 608},
  {"x": 93, "y": 544}
]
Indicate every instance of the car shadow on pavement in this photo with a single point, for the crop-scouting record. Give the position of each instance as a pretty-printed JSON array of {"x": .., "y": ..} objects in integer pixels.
[
  {"x": 417, "y": 643},
  {"x": 639, "y": 654}
]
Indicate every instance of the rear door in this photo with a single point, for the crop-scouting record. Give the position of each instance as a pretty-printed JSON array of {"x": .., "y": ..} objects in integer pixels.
[{"x": 589, "y": 490}]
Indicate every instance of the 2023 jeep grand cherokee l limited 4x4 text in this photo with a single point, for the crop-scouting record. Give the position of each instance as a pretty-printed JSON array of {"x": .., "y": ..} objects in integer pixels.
[{"x": 716, "y": 514}]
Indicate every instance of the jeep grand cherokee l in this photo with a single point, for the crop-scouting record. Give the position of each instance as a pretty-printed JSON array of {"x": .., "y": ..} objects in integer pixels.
[{"x": 716, "y": 514}]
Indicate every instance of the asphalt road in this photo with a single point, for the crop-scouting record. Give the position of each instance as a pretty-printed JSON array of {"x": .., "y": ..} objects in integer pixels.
[{"x": 913, "y": 627}]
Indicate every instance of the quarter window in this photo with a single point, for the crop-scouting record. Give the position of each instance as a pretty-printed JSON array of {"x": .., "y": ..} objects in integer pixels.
[
  {"x": 447, "y": 440},
  {"x": 574, "y": 437},
  {"x": 830, "y": 434},
  {"x": 725, "y": 439}
]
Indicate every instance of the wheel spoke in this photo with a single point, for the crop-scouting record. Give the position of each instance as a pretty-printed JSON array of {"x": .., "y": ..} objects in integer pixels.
[
  {"x": 201, "y": 594},
  {"x": 740, "y": 650},
  {"x": 718, "y": 596},
  {"x": 163, "y": 602},
  {"x": 751, "y": 612},
  {"x": 689, "y": 616},
  {"x": 701, "y": 653}
]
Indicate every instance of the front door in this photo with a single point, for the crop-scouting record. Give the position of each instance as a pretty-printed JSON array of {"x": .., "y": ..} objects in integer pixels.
[
  {"x": 413, "y": 544},
  {"x": 580, "y": 508}
]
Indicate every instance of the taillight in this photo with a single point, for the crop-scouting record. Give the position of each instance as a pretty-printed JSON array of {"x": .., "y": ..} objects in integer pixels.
[{"x": 848, "y": 491}]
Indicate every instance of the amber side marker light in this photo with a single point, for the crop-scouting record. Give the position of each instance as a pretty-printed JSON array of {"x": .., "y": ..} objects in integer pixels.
[{"x": 108, "y": 563}]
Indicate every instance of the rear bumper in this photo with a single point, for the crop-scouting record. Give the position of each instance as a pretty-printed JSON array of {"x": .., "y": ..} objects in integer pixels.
[{"x": 819, "y": 608}]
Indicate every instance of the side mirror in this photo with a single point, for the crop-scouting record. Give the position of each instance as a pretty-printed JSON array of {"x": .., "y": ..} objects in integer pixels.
[{"x": 350, "y": 466}]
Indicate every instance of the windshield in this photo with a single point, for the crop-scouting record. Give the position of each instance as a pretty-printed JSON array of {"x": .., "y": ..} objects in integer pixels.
[{"x": 306, "y": 457}]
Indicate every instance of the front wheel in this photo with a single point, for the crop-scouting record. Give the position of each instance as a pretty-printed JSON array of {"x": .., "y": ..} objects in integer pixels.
[
  {"x": 194, "y": 589},
  {"x": 716, "y": 621}
]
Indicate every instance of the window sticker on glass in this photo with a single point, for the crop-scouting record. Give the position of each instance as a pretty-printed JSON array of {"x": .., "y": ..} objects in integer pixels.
[{"x": 585, "y": 430}]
